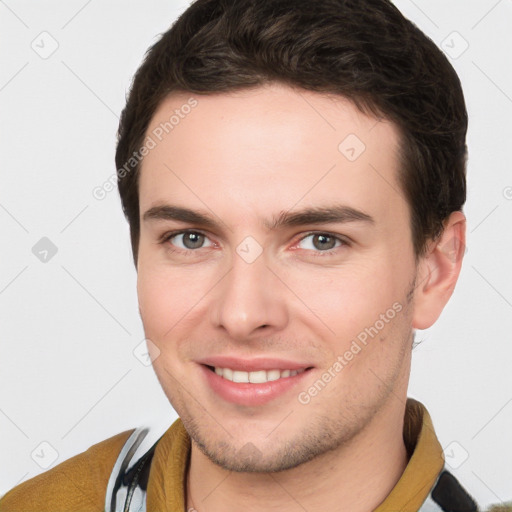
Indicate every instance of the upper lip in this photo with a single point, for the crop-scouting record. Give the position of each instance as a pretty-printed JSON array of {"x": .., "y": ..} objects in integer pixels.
[{"x": 254, "y": 364}]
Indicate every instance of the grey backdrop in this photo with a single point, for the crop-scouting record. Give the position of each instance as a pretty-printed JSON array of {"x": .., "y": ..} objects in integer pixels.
[{"x": 72, "y": 367}]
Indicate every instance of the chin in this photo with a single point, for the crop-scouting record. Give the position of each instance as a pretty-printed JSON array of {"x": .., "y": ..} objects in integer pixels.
[{"x": 250, "y": 459}]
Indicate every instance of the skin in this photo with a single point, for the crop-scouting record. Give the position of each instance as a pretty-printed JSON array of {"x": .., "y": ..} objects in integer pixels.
[{"x": 243, "y": 158}]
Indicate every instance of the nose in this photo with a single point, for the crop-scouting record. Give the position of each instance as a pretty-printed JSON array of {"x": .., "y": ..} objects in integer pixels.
[{"x": 249, "y": 299}]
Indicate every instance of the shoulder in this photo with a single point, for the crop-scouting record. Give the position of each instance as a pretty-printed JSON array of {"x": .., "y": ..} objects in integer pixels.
[{"x": 78, "y": 483}]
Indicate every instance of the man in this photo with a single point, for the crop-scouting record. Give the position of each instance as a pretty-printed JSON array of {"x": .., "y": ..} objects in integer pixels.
[{"x": 294, "y": 175}]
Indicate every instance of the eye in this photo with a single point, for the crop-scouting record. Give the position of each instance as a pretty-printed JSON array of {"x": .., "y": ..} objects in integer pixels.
[
  {"x": 322, "y": 243},
  {"x": 186, "y": 240}
]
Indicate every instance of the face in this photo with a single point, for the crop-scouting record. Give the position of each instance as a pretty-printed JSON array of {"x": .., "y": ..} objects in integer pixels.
[{"x": 275, "y": 237}]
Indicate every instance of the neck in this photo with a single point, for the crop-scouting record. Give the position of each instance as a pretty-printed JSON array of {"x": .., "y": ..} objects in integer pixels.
[{"x": 356, "y": 477}]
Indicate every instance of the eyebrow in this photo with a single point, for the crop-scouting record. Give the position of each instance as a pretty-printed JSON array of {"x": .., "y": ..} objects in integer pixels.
[{"x": 312, "y": 215}]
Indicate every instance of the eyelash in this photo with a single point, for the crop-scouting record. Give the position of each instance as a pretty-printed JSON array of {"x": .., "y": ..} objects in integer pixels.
[{"x": 321, "y": 254}]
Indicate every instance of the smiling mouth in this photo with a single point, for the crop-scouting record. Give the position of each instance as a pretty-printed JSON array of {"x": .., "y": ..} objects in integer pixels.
[{"x": 255, "y": 377}]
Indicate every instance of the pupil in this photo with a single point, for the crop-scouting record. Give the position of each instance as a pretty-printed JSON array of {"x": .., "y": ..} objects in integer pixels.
[
  {"x": 323, "y": 238},
  {"x": 189, "y": 241}
]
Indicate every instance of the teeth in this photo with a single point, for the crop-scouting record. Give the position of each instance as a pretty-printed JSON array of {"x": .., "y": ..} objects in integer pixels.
[
  {"x": 257, "y": 377},
  {"x": 273, "y": 375},
  {"x": 240, "y": 376}
]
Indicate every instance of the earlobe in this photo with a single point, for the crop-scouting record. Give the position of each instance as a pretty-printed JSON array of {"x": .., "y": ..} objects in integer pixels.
[{"x": 438, "y": 272}]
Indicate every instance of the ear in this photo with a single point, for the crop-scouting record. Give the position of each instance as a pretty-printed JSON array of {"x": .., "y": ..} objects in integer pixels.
[{"x": 438, "y": 272}]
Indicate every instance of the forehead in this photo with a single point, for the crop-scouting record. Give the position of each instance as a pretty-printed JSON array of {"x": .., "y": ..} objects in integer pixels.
[{"x": 271, "y": 147}]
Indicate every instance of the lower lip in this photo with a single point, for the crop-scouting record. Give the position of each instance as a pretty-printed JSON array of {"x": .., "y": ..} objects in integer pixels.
[{"x": 244, "y": 393}]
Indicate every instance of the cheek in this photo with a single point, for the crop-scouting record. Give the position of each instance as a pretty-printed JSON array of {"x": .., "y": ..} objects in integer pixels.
[
  {"x": 366, "y": 312},
  {"x": 169, "y": 299},
  {"x": 158, "y": 298},
  {"x": 349, "y": 299}
]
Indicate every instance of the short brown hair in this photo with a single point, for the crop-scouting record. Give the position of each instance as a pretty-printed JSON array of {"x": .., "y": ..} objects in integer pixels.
[{"x": 363, "y": 50}]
